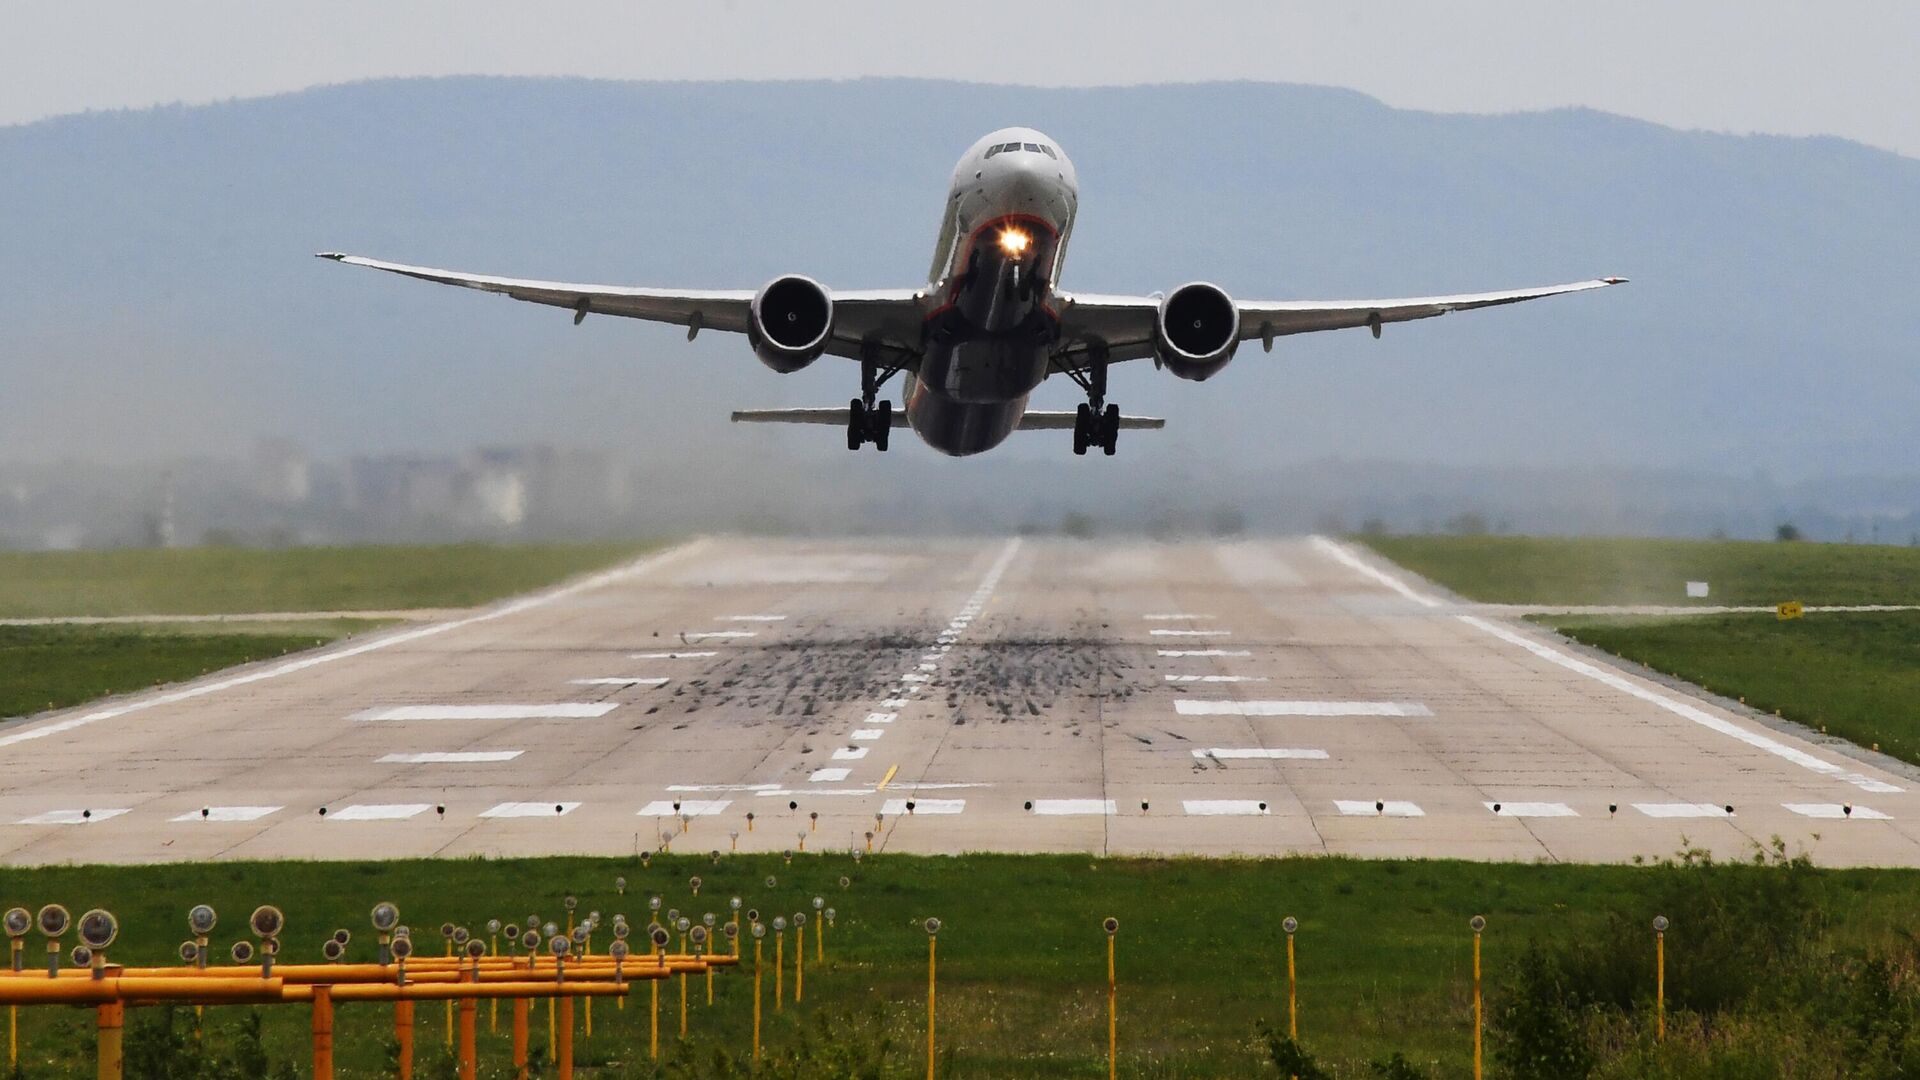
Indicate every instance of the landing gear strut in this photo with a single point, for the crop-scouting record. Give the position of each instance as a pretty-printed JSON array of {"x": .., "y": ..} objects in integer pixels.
[
  {"x": 1095, "y": 423},
  {"x": 869, "y": 421}
]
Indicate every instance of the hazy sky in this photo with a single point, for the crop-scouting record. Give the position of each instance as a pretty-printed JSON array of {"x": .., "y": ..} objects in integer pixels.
[{"x": 1840, "y": 67}]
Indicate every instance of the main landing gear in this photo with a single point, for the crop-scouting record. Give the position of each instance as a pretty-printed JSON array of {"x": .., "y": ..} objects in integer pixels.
[
  {"x": 1095, "y": 423},
  {"x": 869, "y": 421}
]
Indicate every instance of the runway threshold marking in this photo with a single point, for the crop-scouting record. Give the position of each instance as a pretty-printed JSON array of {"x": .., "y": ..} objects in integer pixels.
[
  {"x": 566, "y": 710},
  {"x": 450, "y": 757},
  {"x": 1205, "y": 652},
  {"x": 73, "y": 817},
  {"x": 1378, "y": 808},
  {"x": 898, "y": 807},
  {"x": 530, "y": 809},
  {"x": 1223, "y": 807},
  {"x": 702, "y": 635},
  {"x": 850, "y": 753},
  {"x": 670, "y": 655},
  {"x": 1174, "y": 617},
  {"x": 688, "y": 808},
  {"x": 1257, "y": 753},
  {"x": 750, "y": 618},
  {"x": 1836, "y": 811},
  {"x": 1188, "y": 707},
  {"x": 228, "y": 813},
  {"x": 1681, "y": 810},
  {"x": 887, "y": 779},
  {"x": 379, "y": 812},
  {"x": 1531, "y": 809},
  {"x": 1216, "y": 678},
  {"x": 830, "y": 776},
  {"x": 620, "y": 680},
  {"x": 1339, "y": 553},
  {"x": 1074, "y": 807},
  {"x": 335, "y": 655},
  {"x": 1190, "y": 633}
]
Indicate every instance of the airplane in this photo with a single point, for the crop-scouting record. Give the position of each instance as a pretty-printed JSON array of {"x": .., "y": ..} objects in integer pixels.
[{"x": 989, "y": 325}]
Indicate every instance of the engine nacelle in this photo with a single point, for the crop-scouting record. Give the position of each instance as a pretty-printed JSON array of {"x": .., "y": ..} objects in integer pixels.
[
  {"x": 1196, "y": 330},
  {"x": 789, "y": 322}
]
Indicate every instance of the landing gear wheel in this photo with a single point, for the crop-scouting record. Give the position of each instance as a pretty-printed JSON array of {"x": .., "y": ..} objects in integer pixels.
[
  {"x": 856, "y": 424},
  {"x": 880, "y": 420},
  {"x": 1082, "y": 428},
  {"x": 1110, "y": 429}
]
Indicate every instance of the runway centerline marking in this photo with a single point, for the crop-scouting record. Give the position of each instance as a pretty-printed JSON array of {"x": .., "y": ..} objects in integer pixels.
[
  {"x": 333, "y": 656},
  {"x": 702, "y": 635},
  {"x": 1378, "y": 808},
  {"x": 450, "y": 757},
  {"x": 1189, "y": 707},
  {"x": 670, "y": 655},
  {"x": 1615, "y": 680},
  {"x": 73, "y": 817},
  {"x": 1260, "y": 753},
  {"x": 750, "y": 618},
  {"x": 228, "y": 813},
  {"x": 1216, "y": 678},
  {"x": 379, "y": 812},
  {"x": 530, "y": 809},
  {"x": 565, "y": 710},
  {"x": 898, "y": 807},
  {"x": 619, "y": 680},
  {"x": 1175, "y": 618},
  {"x": 1190, "y": 633}
]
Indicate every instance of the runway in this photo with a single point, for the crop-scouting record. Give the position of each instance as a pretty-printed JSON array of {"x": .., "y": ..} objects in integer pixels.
[{"x": 1247, "y": 697}]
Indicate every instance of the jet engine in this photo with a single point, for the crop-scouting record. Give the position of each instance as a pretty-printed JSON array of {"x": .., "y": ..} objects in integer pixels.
[
  {"x": 790, "y": 320},
  {"x": 1196, "y": 331}
]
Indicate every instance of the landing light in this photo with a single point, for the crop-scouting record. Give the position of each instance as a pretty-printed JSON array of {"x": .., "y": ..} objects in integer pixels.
[{"x": 1014, "y": 242}]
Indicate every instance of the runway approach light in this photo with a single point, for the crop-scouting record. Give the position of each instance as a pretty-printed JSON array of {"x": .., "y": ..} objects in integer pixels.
[{"x": 1015, "y": 242}]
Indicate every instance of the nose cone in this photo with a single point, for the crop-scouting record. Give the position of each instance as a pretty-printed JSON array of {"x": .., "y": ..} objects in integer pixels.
[{"x": 1029, "y": 183}]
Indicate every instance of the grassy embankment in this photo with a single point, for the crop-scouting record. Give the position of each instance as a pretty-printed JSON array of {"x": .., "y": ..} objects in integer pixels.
[
  {"x": 1854, "y": 674},
  {"x": 1384, "y": 959},
  {"x": 58, "y": 666}
]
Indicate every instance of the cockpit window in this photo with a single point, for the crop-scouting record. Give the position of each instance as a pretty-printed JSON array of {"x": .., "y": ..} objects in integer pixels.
[
  {"x": 992, "y": 150},
  {"x": 1033, "y": 148},
  {"x": 1048, "y": 150}
]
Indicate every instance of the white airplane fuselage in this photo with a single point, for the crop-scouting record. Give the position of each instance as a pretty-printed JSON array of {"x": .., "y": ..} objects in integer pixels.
[{"x": 1003, "y": 240}]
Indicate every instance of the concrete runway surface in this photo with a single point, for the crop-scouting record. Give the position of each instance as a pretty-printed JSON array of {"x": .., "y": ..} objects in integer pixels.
[{"x": 1237, "y": 697}]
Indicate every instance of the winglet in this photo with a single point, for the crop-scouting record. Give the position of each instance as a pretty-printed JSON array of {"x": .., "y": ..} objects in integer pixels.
[
  {"x": 336, "y": 256},
  {"x": 1614, "y": 280}
]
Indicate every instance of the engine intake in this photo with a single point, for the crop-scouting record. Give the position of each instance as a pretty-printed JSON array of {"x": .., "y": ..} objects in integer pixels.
[
  {"x": 1196, "y": 330},
  {"x": 791, "y": 318}
]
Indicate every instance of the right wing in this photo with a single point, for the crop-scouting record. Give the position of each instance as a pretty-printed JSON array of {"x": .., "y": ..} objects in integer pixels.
[{"x": 884, "y": 319}]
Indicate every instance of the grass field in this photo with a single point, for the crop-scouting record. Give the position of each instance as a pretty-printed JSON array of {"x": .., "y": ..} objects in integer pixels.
[
  {"x": 1551, "y": 570},
  {"x": 1384, "y": 949},
  {"x": 221, "y": 581},
  {"x": 1853, "y": 674},
  {"x": 46, "y": 667}
]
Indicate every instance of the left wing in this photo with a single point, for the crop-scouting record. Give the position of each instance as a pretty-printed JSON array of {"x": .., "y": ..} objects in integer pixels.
[
  {"x": 1124, "y": 325},
  {"x": 883, "y": 319}
]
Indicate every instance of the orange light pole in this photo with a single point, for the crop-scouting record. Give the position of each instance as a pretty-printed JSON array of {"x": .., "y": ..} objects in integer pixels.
[
  {"x": 520, "y": 1006},
  {"x": 110, "y": 1020},
  {"x": 1478, "y": 923},
  {"x": 1112, "y": 927},
  {"x": 1660, "y": 978},
  {"x": 403, "y": 1035},
  {"x": 933, "y": 929},
  {"x": 563, "y": 1061},
  {"x": 322, "y": 1033}
]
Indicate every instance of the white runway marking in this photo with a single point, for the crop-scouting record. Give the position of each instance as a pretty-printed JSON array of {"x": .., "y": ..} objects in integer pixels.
[
  {"x": 929, "y": 667},
  {"x": 670, "y": 655},
  {"x": 530, "y": 809},
  {"x": 702, "y": 635},
  {"x": 868, "y": 734},
  {"x": 814, "y": 793},
  {"x": 1073, "y": 807},
  {"x": 881, "y": 717},
  {"x": 1260, "y": 753},
  {"x": 1216, "y": 678},
  {"x": 850, "y": 753},
  {"x": 229, "y": 813},
  {"x": 1681, "y": 810},
  {"x": 898, "y": 807},
  {"x": 916, "y": 677},
  {"x": 752, "y": 618},
  {"x": 72, "y": 817},
  {"x": 1204, "y": 652},
  {"x": 894, "y": 703},
  {"x": 828, "y": 776},
  {"x": 1835, "y": 811},
  {"x": 1614, "y": 679},
  {"x": 1301, "y": 708},
  {"x": 1386, "y": 808},
  {"x": 379, "y": 812},
  {"x": 721, "y": 787},
  {"x": 629, "y": 680},
  {"x": 1223, "y": 807},
  {"x": 451, "y": 757},
  {"x": 1191, "y": 633},
  {"x": 688, "y": 807},
  {"x": 332, "y": 656},
  {"x": 1173, "y": 617},
  {"x": 1531, "y": 809},
  {"x": 558, "y": 711}
]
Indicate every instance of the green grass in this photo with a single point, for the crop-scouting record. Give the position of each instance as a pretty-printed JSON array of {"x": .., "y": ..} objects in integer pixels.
[
  {"x": 219, "y": 581},
  {"x": 1854, "y": 674},
  {"x": 46, "y": 667},
  {"x": 1384, "y": 950},
  {"x": 1550, "y": 570}
]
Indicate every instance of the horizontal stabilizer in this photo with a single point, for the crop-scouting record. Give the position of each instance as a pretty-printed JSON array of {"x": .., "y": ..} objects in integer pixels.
[{"x": 837, "y": 417}]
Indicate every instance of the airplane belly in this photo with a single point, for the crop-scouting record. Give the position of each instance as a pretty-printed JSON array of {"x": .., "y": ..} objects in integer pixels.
[{"x": 958, "y": 428}]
